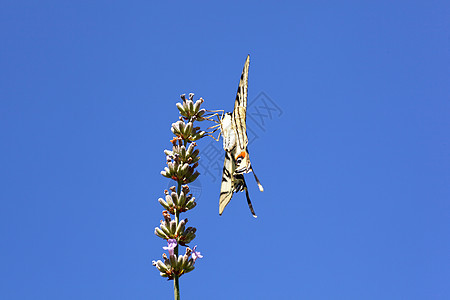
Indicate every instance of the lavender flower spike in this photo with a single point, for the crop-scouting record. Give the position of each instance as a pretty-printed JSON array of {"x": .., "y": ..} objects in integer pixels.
[
  {"x": 182, "y": 161},
  {"x": 171, "y": 244},
  {"x": 196, "y": 254}
]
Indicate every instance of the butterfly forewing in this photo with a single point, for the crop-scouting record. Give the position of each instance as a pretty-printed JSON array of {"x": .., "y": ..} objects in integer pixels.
[{"x": 240, "y": 108}]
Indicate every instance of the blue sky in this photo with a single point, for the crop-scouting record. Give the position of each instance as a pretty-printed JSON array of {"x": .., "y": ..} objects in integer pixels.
[{"x": 355, "y": 162}]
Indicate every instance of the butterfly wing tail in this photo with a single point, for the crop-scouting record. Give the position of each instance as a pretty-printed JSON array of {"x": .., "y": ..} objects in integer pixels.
[
  {"x": 250, "y": 206},
  {"x": 250, "y": 203}
]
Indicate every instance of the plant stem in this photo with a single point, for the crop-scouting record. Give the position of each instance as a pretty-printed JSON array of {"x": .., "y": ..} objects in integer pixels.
[{"x": 176, "y": 282}]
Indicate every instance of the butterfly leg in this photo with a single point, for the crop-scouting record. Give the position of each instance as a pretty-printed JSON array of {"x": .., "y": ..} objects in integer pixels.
[
  {"x": 214, "y": 127},
  {"x": 217, "y": 127},
  {"x": 215, "y": 111},
  {"x": 216, "y": 114},
  {"x": 218, "y": 123},
  {"x": 218, "y": 137}
]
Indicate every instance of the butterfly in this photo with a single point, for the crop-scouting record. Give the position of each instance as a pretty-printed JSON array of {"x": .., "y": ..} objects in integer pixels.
[{"x": 233, "y": 128}]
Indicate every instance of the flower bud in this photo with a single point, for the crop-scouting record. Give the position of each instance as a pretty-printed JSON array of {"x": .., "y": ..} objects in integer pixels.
[
  {"x": 188, "y": 269},
  {"x": 182, "y": 199},
  {"x": 181, "y": 109},
  {"x": 188, "y": 129},
  {"x": 161, "y": 266},
  {"x": 174, "y": 198},
  {"x": 166, "y": 216},
  {"x": 190, "y": 263},
  {"x": 166, "y": 172},
  {"x": 173, "y": 261},
  {"x": 197, "y": 106},
  {"x": 183, "y": 152},
  {"x": 184, "y": 169},
  {"x": 195, "y": 153},
  {"x": 171, "y": 167},
  {"x": 160, "y": 233},
  {"x": 165, "y": 230},
  {"x": 164, "y": 203},
  {"x": 195, "y": 159},
  {"x": 201, "y": 112},
  {"x": 166, "y": 260},
  {"x": 179, "y": 262},
  {"x": 191, "y": 204},
  {"x": 190, "y": 149},
  {"x": 180, "y": 227},
  {"x": 173, "y": 227},
  {"x": 193, "y": 176},
  {"x": 169, "y": 200},
  {"x": 185, "y": 261},
  {"x": 175, "y": 128},
  {"x": 181, "y": 126}
]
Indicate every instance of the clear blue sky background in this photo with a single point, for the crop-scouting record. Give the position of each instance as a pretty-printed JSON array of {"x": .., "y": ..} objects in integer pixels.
[{"x": 356, "y": 164}]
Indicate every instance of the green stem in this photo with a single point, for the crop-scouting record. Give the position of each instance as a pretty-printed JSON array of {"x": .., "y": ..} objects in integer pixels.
[{"x": 176, "y": 282}]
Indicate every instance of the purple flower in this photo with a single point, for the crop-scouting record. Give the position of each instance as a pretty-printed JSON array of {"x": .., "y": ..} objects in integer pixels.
[
  {"x": 196, "y": 254},
  {"x": 171, "y": 244}
]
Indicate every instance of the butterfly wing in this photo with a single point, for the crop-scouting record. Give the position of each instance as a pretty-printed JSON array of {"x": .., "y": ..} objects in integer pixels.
[
  {"x": 240, "y": 108},
  {"x": 226, "y": 187},
  {"x": 238, "y": 122},
  {"x": 232, "y": 184},
  {"x": 240, "y": 186}
]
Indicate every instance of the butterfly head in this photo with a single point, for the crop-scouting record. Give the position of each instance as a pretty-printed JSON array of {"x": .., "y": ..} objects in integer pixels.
[{"x": 242, "y": 162}]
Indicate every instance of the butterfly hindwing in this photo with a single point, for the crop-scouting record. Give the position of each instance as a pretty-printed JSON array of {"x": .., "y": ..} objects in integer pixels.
[
  {"x": 240, "y": 186},
  {"x": 232, "y": 184},
  {"x": 226, "y": 187}
]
